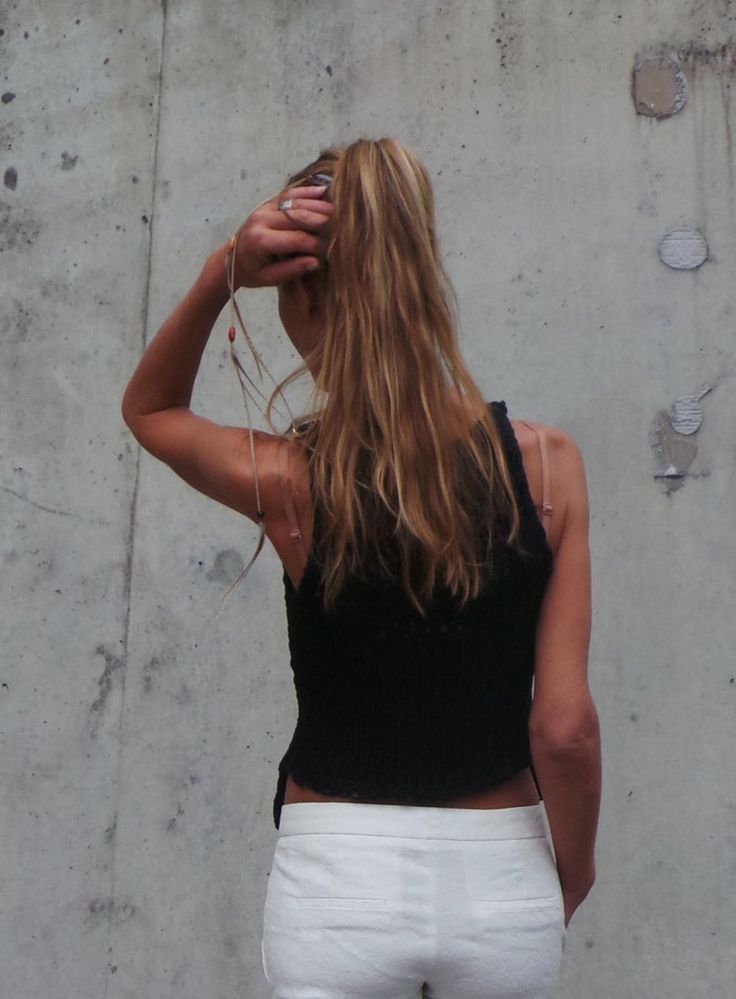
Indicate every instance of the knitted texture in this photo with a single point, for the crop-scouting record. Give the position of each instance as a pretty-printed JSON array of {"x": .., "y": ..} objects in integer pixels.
[{"x": 396, "y": 707}]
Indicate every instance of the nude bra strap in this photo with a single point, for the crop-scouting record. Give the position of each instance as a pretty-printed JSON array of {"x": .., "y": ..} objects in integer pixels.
[
  {"x": 288, "y": 496},
  {"x": 545, "y": 504}
]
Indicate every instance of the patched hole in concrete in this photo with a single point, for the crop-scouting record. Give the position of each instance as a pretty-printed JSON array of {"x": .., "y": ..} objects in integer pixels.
[
  {"x": 672, "y": 437},
  {"x": 683, "y": 249},
  {"x": 659, "y": 87},
  {"x": 686, "y": 413}
]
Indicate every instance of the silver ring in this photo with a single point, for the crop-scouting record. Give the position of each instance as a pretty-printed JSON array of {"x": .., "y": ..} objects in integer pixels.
[{"x": 284, "y": 206}]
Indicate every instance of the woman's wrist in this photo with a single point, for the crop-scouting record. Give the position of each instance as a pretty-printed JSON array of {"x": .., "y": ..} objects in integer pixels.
[
  {"x": 214, "y": 275},
  {"x": 578, "y": 882}
]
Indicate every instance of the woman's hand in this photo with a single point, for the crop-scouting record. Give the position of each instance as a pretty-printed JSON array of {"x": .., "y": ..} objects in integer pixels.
[
  {"x": 275, "y": 246},
  {"x": 571, "y": 905},
  {"x": 574, "y": 897}
]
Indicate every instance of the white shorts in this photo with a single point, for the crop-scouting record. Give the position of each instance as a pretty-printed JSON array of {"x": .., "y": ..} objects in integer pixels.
[{"x": 368, "y": 901}]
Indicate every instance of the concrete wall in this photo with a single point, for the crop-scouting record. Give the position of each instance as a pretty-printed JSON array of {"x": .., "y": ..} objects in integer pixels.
[{"x": 140, "y": 733}]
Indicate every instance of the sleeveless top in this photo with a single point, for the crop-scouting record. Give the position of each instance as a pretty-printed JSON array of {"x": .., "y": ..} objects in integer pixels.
[{"x": 396, "y": 707}]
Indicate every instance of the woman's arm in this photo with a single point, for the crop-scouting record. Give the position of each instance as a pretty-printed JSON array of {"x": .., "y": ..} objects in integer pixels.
[
  {"x": 564, "y": 729},
  {"x": 155, "y": 406}
]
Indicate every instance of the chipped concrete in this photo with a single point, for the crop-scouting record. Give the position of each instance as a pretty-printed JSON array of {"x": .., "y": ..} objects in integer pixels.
[
  {"x": 140, "y": 732},
  {"x": 659, "y": 87},
  {"x": 672, "y": 438},
  {"x": 675, "y": 453}
]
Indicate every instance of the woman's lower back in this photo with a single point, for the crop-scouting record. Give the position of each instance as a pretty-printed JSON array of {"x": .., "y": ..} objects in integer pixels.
[{"x": 517, "y": 791}]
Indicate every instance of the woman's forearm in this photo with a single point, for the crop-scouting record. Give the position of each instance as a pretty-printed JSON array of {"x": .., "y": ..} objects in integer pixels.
[
  {"x": 270, "y": 248},
  {"x": 167, "y": 370},
  {"x": 570, "y": 781}
]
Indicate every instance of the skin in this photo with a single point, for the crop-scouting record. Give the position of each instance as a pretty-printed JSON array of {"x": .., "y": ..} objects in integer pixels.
[{"x": 279, "y": 249}]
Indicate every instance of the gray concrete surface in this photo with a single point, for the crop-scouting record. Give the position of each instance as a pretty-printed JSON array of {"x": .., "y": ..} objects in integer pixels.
[{"x": 140, "y": 734}]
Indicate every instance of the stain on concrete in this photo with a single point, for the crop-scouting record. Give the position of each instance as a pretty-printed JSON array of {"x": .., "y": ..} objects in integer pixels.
[
  {"x": 15, "y": 322},
  {"x": 98, "y": 905},
  {"x": 149, "y": 671},
  {"x": 683, "y": 249},
  {"x": 184, "y": 695},
  {"x": 18, "y": 225},
  {"x": 227, "y": 566},
  {"x": 7, "y": 97},
  {"x": 10, "y": 178},
  {"x": 672, "y": 438},
  {"x": 112, "y": 665},
  {"x": 722, "y": 57},
  {"x": 658, "y": 87},
  {"x": 105, "y": 907},
  {"x": 68, "y": 162},
  {"x": 171, "y": 824}
]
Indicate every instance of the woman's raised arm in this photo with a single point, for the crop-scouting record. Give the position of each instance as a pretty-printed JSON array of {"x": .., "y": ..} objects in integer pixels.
[{"x": 155, "y": 406}]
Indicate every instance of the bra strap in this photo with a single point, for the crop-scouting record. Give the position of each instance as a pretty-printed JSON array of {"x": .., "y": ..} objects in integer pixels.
[
  {"x": 287, "y": 493},
  {"x": 545, "y": 504}
]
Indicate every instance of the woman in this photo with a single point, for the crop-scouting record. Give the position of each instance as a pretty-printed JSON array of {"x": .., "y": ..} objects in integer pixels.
[{"x": 426, "y": 598}]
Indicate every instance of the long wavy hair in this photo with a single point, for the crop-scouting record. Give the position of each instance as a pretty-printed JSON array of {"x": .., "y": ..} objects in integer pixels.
[{"x": 399, "y": 483}]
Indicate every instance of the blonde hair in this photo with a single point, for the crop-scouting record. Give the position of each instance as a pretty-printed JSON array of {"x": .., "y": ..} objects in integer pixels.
[{"x": 395, "y": 486}]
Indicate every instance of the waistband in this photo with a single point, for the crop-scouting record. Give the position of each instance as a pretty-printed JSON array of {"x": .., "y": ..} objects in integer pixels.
[{"x": 417, "y": 821}]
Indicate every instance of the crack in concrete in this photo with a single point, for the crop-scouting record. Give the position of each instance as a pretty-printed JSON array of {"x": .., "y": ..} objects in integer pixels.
[
  {"x": 111, "y": 833},
  {"x": 112, "y": 664},
  {"x": 51, "y": 509}
]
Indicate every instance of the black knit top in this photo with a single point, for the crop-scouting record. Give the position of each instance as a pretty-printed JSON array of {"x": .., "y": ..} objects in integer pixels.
[{"x": 396, "y": 707}]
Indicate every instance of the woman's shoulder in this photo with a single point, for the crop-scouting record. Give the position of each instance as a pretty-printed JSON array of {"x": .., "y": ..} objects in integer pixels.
[
  {"x": 558, "y": 441},
  {"x": 567, "y": 488}
]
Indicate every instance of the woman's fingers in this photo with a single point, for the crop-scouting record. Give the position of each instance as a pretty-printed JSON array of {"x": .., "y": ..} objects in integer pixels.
[
  {"x": 287, "y": 270},
  {"x": 308, "y": 193},
  {"x": 287, "y": 242},
  {"x": 299, "y": 213},
  {"x": 297, "y": 217},
  {"x": 293, "y": 233}
]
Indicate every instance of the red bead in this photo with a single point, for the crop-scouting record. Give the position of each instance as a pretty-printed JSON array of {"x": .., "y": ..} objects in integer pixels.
[{"x": 231, "y": 334}]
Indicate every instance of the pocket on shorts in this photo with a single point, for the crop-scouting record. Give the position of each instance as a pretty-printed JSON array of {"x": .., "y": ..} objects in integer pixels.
[
  {"x": 339, "y": 902},
  {"x": 515, "y": 877},
  {"x": 510, "y": 870},
  {"x": 333, "y": 871}
]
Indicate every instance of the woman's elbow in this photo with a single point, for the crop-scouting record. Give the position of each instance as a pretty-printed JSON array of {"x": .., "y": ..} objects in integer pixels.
[{"x": 567, "y": 732}]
